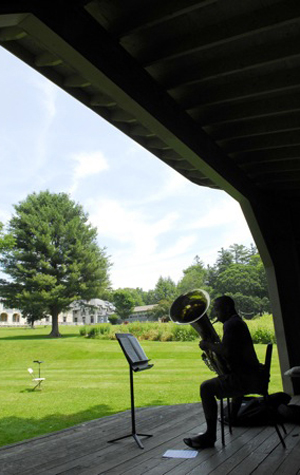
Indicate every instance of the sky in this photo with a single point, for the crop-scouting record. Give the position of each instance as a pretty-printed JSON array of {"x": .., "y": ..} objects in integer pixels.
[{"x": 151, "y": 220}]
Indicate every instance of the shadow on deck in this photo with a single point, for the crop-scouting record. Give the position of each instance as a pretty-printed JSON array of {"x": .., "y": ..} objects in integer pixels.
[{"x": 84, "y": 450}]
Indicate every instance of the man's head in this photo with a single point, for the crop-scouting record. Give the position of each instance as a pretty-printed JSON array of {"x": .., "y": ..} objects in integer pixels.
[{"x": 224, "y": 308}]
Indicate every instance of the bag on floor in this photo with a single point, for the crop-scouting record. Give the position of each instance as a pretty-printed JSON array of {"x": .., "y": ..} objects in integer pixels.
[
  {"x": 254, "y": 411},
  {"x": 290, "y": 413}
]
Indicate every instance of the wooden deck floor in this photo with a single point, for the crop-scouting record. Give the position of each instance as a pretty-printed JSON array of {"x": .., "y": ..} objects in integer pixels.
[{"x": 84, "y": 450}]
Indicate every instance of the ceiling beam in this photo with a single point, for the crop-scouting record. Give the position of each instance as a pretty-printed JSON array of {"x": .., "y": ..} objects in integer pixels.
[
  {"x": 264, "y": 107},
  {"x": 134, "y": 91},
  {"x": 259, "y": 126},
  {"x": 247, "y": 87},
  {"x": 260, "y": 142},
  {"x": 255, "y": 58},
  {"x": 237, "y": 26},
  {"x": 146, "y": 15},
  {"x": 269, "y": 154}
]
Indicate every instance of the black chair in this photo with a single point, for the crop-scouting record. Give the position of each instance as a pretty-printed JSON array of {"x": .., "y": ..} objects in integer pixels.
[{"x": 263, "y": 391}]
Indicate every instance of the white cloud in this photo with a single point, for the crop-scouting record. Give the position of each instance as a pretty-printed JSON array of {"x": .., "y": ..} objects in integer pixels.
[
  {"x": 152, "y": 219},
  {"x": 141, "y": 253},
  {"x": 137, "y": 241},
  {"x": 223, "y": 211},
  {"x": 46, "y": 100},
  {"x": 48, "y": 96},
  {"x": 239, "y": 233},
  {"x": 173, "y": 185},
  {"x": 129, "y": 225},
  {"x": 145, "y": 245},
  {"x": 181, "y": 246},
  {"x": 4, "y": 216},
  {"x": 223, "y": 224},
  {"x": 87, "y": 164}
]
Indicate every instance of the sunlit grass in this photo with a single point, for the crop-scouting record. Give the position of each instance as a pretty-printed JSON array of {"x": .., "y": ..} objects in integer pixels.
[{"x": 87, "y": 379}]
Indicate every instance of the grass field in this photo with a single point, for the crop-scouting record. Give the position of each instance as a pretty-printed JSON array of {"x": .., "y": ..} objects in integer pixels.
[{"x": 89, "y": 378}]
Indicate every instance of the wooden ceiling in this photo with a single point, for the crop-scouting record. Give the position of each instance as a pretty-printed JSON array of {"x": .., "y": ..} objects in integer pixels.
[{"x": 211, "y": 87}]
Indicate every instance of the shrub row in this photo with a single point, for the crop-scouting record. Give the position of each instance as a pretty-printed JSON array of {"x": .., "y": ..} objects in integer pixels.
[{"x": 261, "y": 329}]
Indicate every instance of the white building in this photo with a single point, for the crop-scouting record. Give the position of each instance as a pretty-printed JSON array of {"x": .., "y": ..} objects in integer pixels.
[
  {"x": 89, "y": 313},
  {"x": 142, "y": 313},
  {"x": 80, "y": 313},
  {"x": 11, "y": 317}
]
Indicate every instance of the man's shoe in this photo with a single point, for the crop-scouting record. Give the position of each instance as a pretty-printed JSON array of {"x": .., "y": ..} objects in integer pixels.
[{"x": 201, "y": 441}]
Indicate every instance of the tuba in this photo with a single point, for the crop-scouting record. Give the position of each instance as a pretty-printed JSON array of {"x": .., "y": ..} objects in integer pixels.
[{"x": 190, "y": 308}]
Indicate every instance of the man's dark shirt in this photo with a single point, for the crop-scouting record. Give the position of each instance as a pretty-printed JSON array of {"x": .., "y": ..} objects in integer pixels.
[{"x": 239, "y": 349}]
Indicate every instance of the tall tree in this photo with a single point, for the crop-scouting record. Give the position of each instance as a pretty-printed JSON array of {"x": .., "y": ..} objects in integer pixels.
[
  {"x": 165, "y": 289},
  {"x": 55, "y": 259},
  {"x": 162, "y": 310},
  {"x": 245, "y": 283},
  {"x": 194, "y": 277},
  {"x": 123, "y": 302},
  {"x": 211, "y": 279},
  {"x": 240, "y": 253},
  {"x": 224, "y": 260},
  {"x": 6, "y": 239},
  {"x": 239, "y": 278},
  {"x": 137, "y": 295},
  {"x": 255, "y": 260},
  {"x": 149, "y": 297}
]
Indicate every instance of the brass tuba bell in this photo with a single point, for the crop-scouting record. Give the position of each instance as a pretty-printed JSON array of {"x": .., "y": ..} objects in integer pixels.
[{"x": 190, "y": 308}]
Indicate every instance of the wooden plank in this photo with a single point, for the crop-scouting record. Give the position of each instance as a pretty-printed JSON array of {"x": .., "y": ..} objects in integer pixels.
[
  {"x": 84, "y": 449},
  {"x": 274, "y": 460},
  {"x": 291, "y": 464},
  {"x": 93, "y": 449},
  {"x": 222, "y": 461},
  {"x": 128, "y": 451},
  {"x": 160, "y": 464},
  {"x": 176, "y": 464},
  {"x": 86, "y": 438},
  {"x": 252, "y": 456}
]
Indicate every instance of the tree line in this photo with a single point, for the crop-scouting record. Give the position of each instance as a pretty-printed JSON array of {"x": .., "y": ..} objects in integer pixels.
[
  {"x": 50, "y": 258},
  {"x": 237, "y": 272}
]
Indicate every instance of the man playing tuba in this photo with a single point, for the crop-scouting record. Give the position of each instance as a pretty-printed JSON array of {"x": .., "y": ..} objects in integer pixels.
[{"x": 237, "y": 349}]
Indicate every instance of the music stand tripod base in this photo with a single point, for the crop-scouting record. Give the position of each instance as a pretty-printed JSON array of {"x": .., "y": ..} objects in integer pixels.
[
  {"x": 133, "y": 432},
  {"x": 135, "y": 436},
  {"x": 132, "y": 367}
]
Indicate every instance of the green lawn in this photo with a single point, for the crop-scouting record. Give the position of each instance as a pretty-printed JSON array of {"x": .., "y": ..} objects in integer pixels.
[{"x": 87, "y": 379}]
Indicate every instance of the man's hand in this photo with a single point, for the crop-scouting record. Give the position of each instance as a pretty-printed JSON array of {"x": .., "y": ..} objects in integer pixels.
[
  {"x": 217, "y": 348},
  {"x": 204, "y": 345}
]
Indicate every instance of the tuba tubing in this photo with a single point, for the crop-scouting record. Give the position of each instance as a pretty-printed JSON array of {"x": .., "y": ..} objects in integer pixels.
[{"x": 190, "y": 308}]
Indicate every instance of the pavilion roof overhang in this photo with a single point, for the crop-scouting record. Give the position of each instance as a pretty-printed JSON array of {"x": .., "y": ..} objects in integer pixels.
[{"x": 210, "y": 87}]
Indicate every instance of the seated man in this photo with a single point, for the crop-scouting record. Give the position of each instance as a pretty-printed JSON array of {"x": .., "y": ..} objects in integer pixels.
[{"x": 238, "y": 350}]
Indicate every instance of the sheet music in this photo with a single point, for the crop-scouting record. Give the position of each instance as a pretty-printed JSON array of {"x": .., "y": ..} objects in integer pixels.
[
  {"x": 130, "y": 351},
  {"x": 132, "y": 348},
  {"x": 138, "y": 349},
  {"x": 181, "y": 454}
]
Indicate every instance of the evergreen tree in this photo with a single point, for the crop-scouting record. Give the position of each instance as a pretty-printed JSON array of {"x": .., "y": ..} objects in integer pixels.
[
  {"x": 194, "y": 277},
  {"x": 240, "y": 253},
  {"x": 137, "y": 296},
  {"x": 165, "y": 289},
  {"x": 55, "y": 259},
  {"x": 6, "y": 239},
  {"x": 149, "y": 297},
  {"x": 123, "y": 302},
  {"x": 245, "y": 281},
  {"x": 239, "y": 278},
  {"x": 224, "y": 260},
  {"x": 211, "y": 278}
]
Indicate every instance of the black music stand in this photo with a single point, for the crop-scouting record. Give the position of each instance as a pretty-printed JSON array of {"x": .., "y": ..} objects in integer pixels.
[{"x": 137, "y": 361}]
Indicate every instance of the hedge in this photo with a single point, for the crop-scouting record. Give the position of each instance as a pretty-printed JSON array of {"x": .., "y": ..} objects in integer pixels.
[{"x": 261, "y": 329}]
